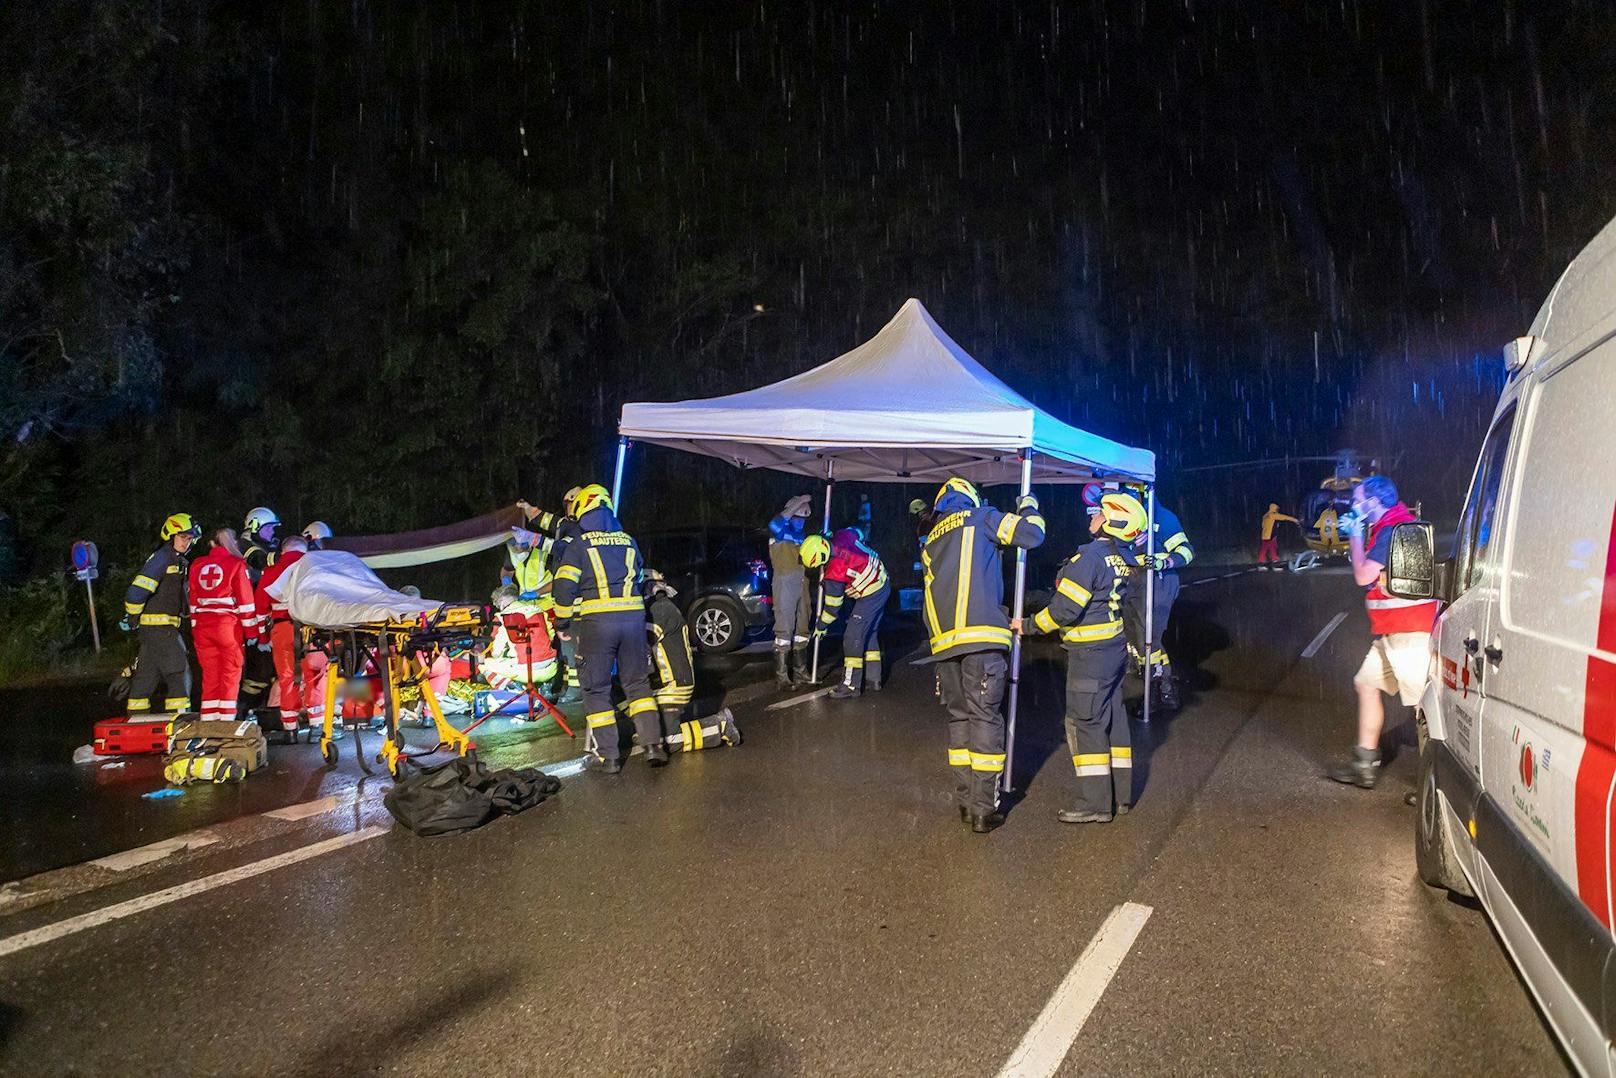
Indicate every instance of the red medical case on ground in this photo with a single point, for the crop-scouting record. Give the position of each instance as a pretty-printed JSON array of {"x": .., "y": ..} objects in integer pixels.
[{"x": 126, "y": 737}]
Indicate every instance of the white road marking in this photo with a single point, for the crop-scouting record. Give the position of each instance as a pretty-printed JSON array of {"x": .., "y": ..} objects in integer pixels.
[
  {"x": 145, "y": 855},
  {"x": 24, "y": 940},
  {"x": 793, "y": 701},
  {"x": 1324, "y": 634},
  {"x": 305, "y": 810},
  {"x": 1043, "y": 1049}
]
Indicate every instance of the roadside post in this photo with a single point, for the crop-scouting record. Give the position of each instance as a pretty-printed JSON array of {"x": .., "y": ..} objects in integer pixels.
[{"x": 85, "y": 560}]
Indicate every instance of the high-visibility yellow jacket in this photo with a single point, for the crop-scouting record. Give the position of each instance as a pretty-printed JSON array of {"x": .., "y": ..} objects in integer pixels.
[{"x": 964, "y": 575}]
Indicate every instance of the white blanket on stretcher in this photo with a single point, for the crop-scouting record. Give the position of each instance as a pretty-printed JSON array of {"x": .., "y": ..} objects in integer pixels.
[{"x": 333, "y": 589}]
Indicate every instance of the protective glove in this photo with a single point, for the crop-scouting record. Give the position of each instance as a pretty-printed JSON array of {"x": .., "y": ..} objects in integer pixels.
[
  {"x": 819, "y": 631},
  {"x": 264, "y": 645},
  {"x": 1349, "y": 524},
  {"x": 1159, "y": 562},
  {"x": 127, "y": 623},
  {"x": 1026, "y": 501}
]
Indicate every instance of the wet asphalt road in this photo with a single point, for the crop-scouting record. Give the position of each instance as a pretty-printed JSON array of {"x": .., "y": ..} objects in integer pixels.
[{"x": 810, "y": 904}]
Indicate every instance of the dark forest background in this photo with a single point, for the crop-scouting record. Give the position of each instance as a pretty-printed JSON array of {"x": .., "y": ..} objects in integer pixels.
[{"x": 390, "y": 265}]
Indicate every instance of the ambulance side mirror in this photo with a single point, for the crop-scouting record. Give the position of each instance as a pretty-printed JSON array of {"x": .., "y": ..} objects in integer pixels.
[{"x": 1411, "y": 568}]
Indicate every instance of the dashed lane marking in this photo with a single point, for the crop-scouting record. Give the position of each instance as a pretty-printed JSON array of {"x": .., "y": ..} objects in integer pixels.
[
  {"x": 793, "y": 701},
  {"x": 24, "y": 940},
  {"x": 1043, "y": 1049},
  {"x": 1324, "y": 634},
  {"x": 145, "y": 855},
  {"x": 306, "y": 809}
]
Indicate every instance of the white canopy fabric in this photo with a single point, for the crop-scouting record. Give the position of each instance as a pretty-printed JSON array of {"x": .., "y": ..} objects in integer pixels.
[{"x": 908, "y": 405}]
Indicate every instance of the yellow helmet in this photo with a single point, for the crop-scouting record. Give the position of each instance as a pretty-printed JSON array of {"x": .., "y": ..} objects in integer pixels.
[
  {"x": 594, "y": 496},
  {"x": 958, "y": 485},
  {"x": 1124, "y": 517},
  {"x": 180, "y": 524},
  {"x": 815, "y": 551}
]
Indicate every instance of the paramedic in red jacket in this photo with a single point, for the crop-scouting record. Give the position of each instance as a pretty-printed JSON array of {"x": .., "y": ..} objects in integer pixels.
[
  {"x": 1399, "y": 658},
  {"x": 222, "y": 622},
  {"x": 276, "y": 624},
  {"x": 851, "y": 571}
]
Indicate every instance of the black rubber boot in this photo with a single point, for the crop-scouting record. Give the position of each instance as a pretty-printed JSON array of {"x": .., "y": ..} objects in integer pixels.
[
  {"x": 800, "y": 662},
  {"x": 1168, "y": 695},
  {"x": 782, "y": 669},
  {"x": 656, "y": 755},
  {"x": 1362, "y": 770},
  {"x": 1075, "y": 816},
  {"x": 603, "y": 766},
  {"x": 982, "y": 824}
]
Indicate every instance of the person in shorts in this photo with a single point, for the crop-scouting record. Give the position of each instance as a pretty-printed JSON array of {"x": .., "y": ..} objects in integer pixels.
[{"x": 1399, "y": 656}]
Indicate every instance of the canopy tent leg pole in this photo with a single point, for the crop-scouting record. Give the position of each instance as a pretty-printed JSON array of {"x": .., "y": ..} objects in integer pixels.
[
  {"x": 1015, "y": 640},
  {"x": 819, "y": 609},
  {"x": 1150, "y": 591},
  {"x": 617, "y": 477}
]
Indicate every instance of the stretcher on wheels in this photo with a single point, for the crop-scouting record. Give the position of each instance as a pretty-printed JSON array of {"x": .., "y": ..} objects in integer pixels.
[{"x": 397, "y": 652}]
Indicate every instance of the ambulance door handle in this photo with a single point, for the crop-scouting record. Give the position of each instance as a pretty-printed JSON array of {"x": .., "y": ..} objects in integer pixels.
[
  {"x": 1471, "y": 644},
  {"x": 1494, "y": 652}
]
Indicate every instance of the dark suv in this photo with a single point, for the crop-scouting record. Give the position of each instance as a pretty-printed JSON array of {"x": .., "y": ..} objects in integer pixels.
[{"x": 722, "y": 576}]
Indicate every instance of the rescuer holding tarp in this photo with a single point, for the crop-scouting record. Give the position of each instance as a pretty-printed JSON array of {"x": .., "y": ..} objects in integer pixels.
[
  {"x": 153, "y": 608},
  {"x": 598, "y": 600},
  {"x": 1090, "y": 592},
  {"x": 223, "y": 621},
  {"x": 970, "y": 634},
  {"x": 851, "y": 571},
  {"x": 789, "y": 591}
]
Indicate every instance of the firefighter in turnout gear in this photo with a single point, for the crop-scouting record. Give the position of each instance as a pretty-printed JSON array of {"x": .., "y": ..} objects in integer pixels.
[
  {"x": 970, "y": 634},
  {"x": 1091, "y": 590},
  {"x": 598, "y": 601},
  {"x": 153, "y": 608},
  {"x": 223, "y": 620},
  {"x": 789, "y": 591},
  {"x": 673, "y": 672},
  {"x": 275, "y": 624},
  {"x": 1173, "y": 552},
  {"x": 851, "y": 571},
  {"x": 260, "y": 540}
]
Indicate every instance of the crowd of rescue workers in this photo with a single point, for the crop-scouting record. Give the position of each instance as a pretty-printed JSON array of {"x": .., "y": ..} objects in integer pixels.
[{"x": 614, "y": 639}]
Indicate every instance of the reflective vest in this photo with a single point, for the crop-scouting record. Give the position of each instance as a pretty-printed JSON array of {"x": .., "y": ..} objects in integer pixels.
[
  {"x": 964, "y": 577},
  {"x": 1387, "y": 613},
  {"x": 1090, "y": 590},
  {"x": 854, "y": 571},
  {"x": 157, "y": 594},
  {"x": 599, "y": 573},
  {"x": 530, "y": 571}
]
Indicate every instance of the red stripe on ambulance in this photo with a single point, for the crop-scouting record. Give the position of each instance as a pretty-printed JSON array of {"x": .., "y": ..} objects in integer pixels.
[{"x": 1598, "y": 767}]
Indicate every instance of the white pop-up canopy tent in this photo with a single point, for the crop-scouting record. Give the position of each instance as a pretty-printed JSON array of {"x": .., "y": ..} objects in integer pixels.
[{"x": 908, "y": 405}]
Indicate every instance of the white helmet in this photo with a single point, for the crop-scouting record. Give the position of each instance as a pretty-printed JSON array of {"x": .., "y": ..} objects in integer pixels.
[
  {"x": 257, "y": 520},
  {"x": 317, "y": 532}
]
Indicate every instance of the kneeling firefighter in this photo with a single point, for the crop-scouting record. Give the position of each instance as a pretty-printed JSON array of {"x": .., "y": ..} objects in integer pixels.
[
  {"x": 1091, "y": 590},
  {"x": 673, "y": 672},
  {"x": 852, "y": 571},
  {"x": 598, "y": 600},
  {"x": 970, "y": 634},
  {"x": 153, "y": 606}
]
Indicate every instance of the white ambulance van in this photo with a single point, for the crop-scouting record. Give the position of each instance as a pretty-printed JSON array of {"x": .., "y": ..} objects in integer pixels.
[{"x": 1518, "y": 757}]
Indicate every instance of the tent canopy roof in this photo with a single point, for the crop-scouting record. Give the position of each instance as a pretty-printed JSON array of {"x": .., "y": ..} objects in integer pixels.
[{"x": 908, "y": 405}]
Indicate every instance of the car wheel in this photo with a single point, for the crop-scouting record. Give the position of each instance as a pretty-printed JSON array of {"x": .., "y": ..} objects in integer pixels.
[
  {"x": 717, "y": 625},
  {"x": 1437, "y": 863}
]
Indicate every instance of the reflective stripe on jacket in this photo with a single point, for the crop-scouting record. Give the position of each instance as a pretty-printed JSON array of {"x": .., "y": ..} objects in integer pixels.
[
  {"x": 1170, "y": 539},
  {"x": 854, "y": 571},
  {"x": 1089, "y": 592},
  {"x": 157, "y": 594},
  {"x": 964, "y": 605},
  {"x": 221, "y": 593},
  {"x": 600, "y": 571}
]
